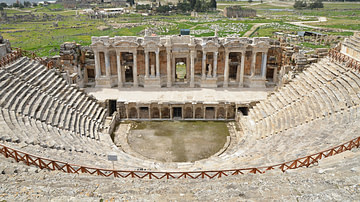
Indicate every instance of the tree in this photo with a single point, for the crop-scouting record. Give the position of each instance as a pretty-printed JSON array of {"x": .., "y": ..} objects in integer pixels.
[
  {"x": 197, "y": 6},
  {"x": 250, "y": 1},
  {"x": 27, "y": 4},
  {"x": 299, "y": 4},
  {"x": 163, "y": 9},
  {"x": 316, "y": 4},
  {"x": 34, "y": 4},
  {"x": 16, "y": 5},
  {"x": 192, "y": 3},
  {"x": 131, "y": 2},
  {"x": 184, "y": 7},
  {"x": 3, "y": 5},
  {"x": 213, "y": 4}
]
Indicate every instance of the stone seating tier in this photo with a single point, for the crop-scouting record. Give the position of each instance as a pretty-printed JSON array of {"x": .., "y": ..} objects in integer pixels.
[
  {"x": 323, "y": 89},
  {"x": 39, "y": 108}
]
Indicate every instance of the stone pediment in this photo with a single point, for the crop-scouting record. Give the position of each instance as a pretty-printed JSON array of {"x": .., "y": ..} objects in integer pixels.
[
  {"x": 261, "y": 45},
  {"x": 235, "y": 45},
  {"x": 210, "y": 45},
  {"x": 151, "y": 45},
  {"x": 125, "y": 44}
]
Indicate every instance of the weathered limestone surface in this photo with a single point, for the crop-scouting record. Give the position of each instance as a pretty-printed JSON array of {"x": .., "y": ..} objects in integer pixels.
[
  {"x": 334, "y": 179},
  {"x": 40, "y": 114},
  {"x": 151, "y": 61}
]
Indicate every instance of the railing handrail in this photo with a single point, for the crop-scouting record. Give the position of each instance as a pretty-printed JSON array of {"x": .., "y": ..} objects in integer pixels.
[
  {"x": 18, "y": 52},
  {"x": 44, "y": 163},
  {"x": 341, "y": 57}
]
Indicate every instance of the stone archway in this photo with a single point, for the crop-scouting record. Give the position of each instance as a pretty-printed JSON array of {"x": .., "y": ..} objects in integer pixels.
[
  {"x": 199, "y": 113},
  {"x": 155, "y": 113},
  {"x": 165, "y": 113},
  {"x": 221, "y": 113},
  {"x": 188, "y": 113},
  {"x": 133, "y": 113},
  {"x": 144, "y": 112},
  {"x": 210, "y": 113}
]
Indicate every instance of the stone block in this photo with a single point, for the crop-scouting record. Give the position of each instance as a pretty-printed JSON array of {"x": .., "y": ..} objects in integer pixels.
[
  {"x": 152, "y": 82},
  {"x": 209, "y": 83}
]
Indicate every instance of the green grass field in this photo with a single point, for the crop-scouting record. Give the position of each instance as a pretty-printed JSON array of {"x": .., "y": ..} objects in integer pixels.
[{"x": 44, "y": 38}]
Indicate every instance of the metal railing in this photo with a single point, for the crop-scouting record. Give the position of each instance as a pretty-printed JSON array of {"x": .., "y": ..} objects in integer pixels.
[
  {"x": 346, "y": 60},
  {"x": 44, "y": 163},
  {"x": 9, "y": 58},
  {"x": 17, "y": 53}
]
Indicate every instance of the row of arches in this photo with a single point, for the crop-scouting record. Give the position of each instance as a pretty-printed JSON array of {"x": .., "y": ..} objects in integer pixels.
[{"x": 186, "y": 112}]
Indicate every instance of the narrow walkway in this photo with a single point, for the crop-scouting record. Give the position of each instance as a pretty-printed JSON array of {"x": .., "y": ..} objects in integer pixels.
[{"x": 238, "y": 95}]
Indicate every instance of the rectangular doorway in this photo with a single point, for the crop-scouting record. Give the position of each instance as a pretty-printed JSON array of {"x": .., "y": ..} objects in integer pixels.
[
  {"x": 177, "y": 112},
  {"x": 112, "y": 107}
]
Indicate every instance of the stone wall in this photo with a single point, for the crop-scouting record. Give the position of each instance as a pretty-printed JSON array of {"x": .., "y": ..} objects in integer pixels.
[
  {"x": 209, "y": 61},
  {"x": 238, "y": 12},
  {"x": 5, "y": 47}
]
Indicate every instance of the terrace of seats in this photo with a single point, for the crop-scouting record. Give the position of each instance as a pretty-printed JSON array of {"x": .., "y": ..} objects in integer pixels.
[
  {"x": 37, "y": 107},
  {"x": 319, "y": 109},
  {"x": 351, "y": 46}
]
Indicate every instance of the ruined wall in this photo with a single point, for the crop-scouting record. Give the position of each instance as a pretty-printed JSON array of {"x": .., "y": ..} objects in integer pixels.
[
  {"x": 5, "y": 47},
  {"x": 238, "y": 11}
]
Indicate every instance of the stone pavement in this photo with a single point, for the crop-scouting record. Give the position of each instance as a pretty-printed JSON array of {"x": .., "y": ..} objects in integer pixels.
[{"x": 242, "y": 95}]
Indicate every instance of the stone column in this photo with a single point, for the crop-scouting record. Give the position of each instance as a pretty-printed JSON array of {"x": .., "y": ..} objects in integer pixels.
[
  {"x": 253, "y": 62},
  {"x": 192, "y": 69},
  {"x": 97, "y": 64},
  {"x": 263, "y": 64},
  {"x": 119, "y": 71},
  {"x": 226, "y": 70},
  {"x": 203, "y": 70},
  {"x": 241, "y": 83},
  {"x": 215, "y": 64},
  {"x": 171, "y": 112},
  {"x": 160, "y": 112},
  {"x": 135, "y": 69},
  {"x": 127, "y": 111},
  {"x": 107, "y": 63},
  {"x": 157, "y": 64},
  {"x": 204, "y": 112},
  {"x": 146, "y": 64},
  {"x": 216, "y": 109},
  {"x": 168, "y": 68}
]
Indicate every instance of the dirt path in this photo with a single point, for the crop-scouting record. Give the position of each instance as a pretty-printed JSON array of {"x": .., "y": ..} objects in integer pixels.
[
  {"x": 320, "y": 19},
  {"x": 248, "y": 33}
]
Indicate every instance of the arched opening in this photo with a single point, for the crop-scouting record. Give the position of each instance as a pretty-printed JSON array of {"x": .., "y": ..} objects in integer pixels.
[
  {"x": 210, "y": 113},
  {"x": 221, "y": 113},
  {"x": 188, "y": 113},
  {"x": 198, "y": 113},
  {"x": 144, "y": 112},
  {"x": 155, "y": 113},
  {"x": 243, "y": 110},
  {"x": 133, "y": 113},
  {"x": 165, "y": 113},
  {"x": 180, "y": 69},
  {"x": 177, "y": 112},
  {"x": 234, "y": 65}
]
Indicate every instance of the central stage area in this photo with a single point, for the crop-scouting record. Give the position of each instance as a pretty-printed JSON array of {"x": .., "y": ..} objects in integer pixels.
[{"x": 242, "y": 95}]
